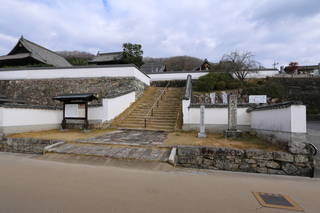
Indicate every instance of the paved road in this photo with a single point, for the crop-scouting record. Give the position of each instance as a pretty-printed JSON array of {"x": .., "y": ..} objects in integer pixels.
[{"x": 33, "y": 185}]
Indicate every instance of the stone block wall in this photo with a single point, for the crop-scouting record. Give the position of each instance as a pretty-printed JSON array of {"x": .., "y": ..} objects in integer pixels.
[
  {"x": 41, "y": 91},
  {"x": 25, "y": 145},
  {"x": 255, "y": 161}
]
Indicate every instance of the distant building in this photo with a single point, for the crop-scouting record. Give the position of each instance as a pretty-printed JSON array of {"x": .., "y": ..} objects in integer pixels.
[
  {"x": 107, "y": 58},
  {"x": 153, "y": 68},
  {"x": 205, "y": 66},
  {"x": 27, "y": 53},
  {"x": 308, "y": 69}
]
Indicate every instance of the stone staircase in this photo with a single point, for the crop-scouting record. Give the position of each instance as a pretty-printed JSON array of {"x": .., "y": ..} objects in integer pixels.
[{"x": 165, "y": 115}]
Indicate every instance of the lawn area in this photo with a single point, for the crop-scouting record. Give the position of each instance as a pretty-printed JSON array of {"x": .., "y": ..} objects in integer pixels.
[
  {"x": 66, "y": 135},
  {"x": 215, "y": 139}
]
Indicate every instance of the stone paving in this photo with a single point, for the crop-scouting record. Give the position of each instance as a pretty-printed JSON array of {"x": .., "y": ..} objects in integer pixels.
[
  {"x": 120, "y": 144},
  {"x": 129, "y": 137},
  {"x": 130, "y": 153}
]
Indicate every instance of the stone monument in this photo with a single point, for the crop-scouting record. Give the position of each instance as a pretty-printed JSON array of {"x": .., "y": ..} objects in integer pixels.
[
  {"x": 213, "y": 97},
  {"x": 232, "y": 131},
  {"x": 224, "y": 97},
  {"x": 202, "y": 133}
]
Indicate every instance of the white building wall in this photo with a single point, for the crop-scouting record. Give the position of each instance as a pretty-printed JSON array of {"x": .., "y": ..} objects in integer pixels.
[
  {"x": 217, "y": 116},
  {"x": 111, "y": 107},
  {"x": 176, "y": 76},
  {"x": 116, "y": 106},
  {"x": 291, "y": 119},
  {"x": 261, "y": 74},
  {"x": 22, "y": 117},
  {"x": 298, "y": 118},
  {"x": 14, "y": 120},
  {"x": 87, "y": 72}
]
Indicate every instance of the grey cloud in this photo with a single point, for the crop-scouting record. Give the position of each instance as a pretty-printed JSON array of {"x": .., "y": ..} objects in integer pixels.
[
  {"x": 206, "y": 29},
  {"x": 277, "y": 10}
]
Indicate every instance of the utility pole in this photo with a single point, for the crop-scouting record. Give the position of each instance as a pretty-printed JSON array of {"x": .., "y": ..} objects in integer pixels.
[{"x": 275, "y": 64}]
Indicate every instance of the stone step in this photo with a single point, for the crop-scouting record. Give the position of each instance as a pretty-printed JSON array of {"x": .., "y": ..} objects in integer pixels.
[
  {"x": 158, "y": 112},
  {"x": 144, "y": 113},
  {"x": 149, "y": 126},
  {"x": 154, "y": 123},
  {"x": 155, "y": 119},
  {"x": 136, "y": 123},
  {"x": 164, "y": 116},
  {"x": 115, "y": 152}
]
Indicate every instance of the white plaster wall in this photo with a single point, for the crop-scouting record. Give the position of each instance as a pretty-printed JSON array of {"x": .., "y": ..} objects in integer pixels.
[
  {"x": 218, "y": 116},
  {"x": 176, "y": 76},
  {"x": 298, "y": 118},
  {"x": 1, "y": 117},
  {"x": 290, "y": 119},
  {"x": 40, "y": 119},
  {"x": 261, "y": 74},
  {"x": 185, "y": 111},
  {"x": 111, "y": 107},
  {"x": 116, "y": 106},
  {"x": 24, "y": 117},
  {"x": 75, "y": 73}
]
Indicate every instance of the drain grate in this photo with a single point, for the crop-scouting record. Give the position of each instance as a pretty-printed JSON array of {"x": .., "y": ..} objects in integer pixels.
[{"x": 276, "y": 201}]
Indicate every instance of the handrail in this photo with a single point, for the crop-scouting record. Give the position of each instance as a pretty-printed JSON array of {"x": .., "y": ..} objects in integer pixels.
[
  {"x": 177, "y": 121},
  {"x": 188, "y": 89},
  {"x": 156, "y": 103}
]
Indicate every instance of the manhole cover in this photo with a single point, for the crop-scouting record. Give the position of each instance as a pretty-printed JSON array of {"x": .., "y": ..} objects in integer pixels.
[{"x": 276, "y": 201}]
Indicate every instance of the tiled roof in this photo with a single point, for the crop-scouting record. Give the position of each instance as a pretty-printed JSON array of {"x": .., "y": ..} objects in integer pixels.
[
  {"x": 107, "y": 57},
  {"x": 153, "y": 67},
  {"x": 37, "y": 52}
]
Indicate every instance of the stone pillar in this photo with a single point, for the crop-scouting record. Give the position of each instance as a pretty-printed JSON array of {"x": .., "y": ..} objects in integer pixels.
[
  {"x": 213, "y": 97},
  {"x": 224, "y": 97},
  {"x": 232, "y": 131},
  {"x": 232, "y": 112},
  {"x": 202, "y": 133}
]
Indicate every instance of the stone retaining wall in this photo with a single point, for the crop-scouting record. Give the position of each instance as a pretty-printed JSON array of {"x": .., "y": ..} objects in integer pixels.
[
  {"x": 41, "y": 91},
  {"x": 256, "y": 161},
  {"x": 25, "y": 145}
]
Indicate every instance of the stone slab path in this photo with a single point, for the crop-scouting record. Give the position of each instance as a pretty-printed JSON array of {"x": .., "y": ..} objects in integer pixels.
[
  {"x": 121, "y": 144},
  {"x": 129, "y": 153},
  {"x": 129, "y": 137}
]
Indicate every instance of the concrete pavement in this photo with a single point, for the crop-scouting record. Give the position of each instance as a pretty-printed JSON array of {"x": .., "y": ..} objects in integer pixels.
[{"x": 28, "y": 184}]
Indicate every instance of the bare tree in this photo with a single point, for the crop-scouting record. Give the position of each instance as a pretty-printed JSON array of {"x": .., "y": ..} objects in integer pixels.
[{"x": 239, "y": 64}]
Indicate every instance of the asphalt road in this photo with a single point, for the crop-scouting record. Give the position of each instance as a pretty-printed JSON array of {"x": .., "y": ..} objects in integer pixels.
[{"x": 41, "y": 186}]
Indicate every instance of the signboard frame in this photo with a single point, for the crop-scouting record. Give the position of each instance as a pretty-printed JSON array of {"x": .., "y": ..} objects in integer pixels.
[{"x": 257, "y": 99}]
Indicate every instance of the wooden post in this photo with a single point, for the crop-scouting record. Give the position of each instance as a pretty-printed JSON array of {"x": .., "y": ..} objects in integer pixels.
[
  {"x": 64, "y": 122},
  {"x": 86, "y": 123}
]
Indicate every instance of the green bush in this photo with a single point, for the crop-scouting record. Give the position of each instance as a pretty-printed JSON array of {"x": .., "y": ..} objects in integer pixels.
[
  {"x": 213, "y": 81},
  {"x": 235, "y": 84},
  {"x": 221, "y": 85}
]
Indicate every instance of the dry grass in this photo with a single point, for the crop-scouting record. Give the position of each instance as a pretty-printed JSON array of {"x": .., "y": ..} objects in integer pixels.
[
  {"x": 191, "y": 139},
  {"x": 66, "y": 135}
]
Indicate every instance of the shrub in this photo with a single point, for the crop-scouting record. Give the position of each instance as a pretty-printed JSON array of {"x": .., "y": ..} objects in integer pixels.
[
  {"x": 221, "y": 85},
  {"x": 235, "y": 84},
  {"x": 210, "y": 82}
]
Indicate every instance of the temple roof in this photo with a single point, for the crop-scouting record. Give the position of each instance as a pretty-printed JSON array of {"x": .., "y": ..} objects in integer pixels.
[
  {"x": 27, "y": 49},
  {"x": 204, "y": 66},
  {"x": 107, "y": 57},
  {"x": 153, "y": 68}
]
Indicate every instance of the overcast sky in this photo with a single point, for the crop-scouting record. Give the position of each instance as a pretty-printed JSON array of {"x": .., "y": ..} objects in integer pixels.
[{"x": 274, "y": 30}]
